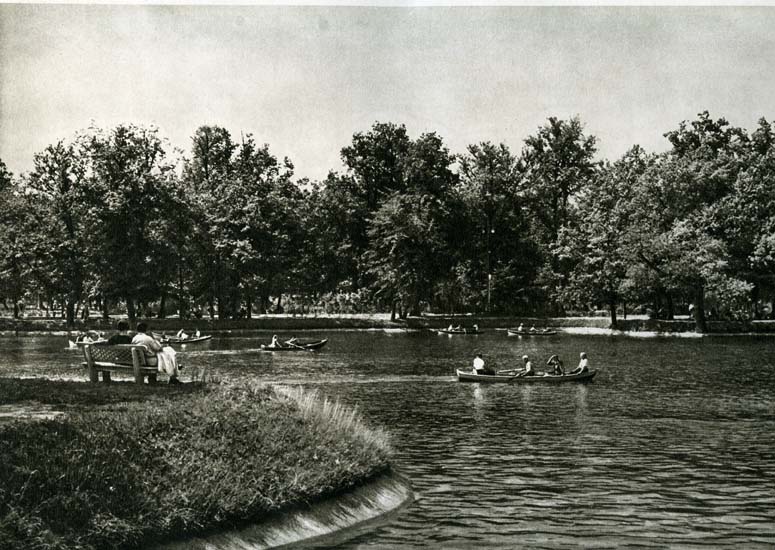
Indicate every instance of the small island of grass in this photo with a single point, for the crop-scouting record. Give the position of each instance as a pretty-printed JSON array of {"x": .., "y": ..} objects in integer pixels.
[{"x": 125, "y": 468}]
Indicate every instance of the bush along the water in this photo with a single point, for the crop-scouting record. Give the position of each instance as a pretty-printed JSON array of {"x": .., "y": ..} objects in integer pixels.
[{"x": 131, "y": 474}]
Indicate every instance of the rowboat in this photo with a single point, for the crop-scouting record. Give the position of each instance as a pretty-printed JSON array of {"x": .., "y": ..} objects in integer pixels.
[
  {"x": 175, "y": 340},
  {"x": 308, "y": 346},
  {"x": 79, "y": 343},
  {"x": 457, "y": 331},
  {"x": 468, "y": 376},
  {"x": 515, "y": 332}
]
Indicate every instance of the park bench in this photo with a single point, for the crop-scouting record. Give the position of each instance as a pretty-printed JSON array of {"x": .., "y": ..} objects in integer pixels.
[{"x": 118, "y": 358}]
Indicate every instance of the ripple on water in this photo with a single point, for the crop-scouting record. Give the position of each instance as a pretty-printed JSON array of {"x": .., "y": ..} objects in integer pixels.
[{"x": 663, "y": 449}]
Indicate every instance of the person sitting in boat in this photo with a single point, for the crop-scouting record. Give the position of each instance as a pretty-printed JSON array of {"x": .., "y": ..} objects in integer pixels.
[
  {"x": 547, "y": 329},
  {"x": 198, "y": 334},
  {"x": 533, "y": 329},
  {"x": 521, "y": 328},
  {"x": 88, "y": 337},
  {"x": 450, "y": 328},
  {"x": 476, "y": 328},
  {"x": 479, "y": 366},
  {"x": 275, "y": 342},
  {"x": 122, "y": 336},
  {"x": 583, "y": 364},
  {"x": 556, "y": 364},
  {"x": 292, "y": 341},
  {"x": 181, "y": 335},
  {"x": 528, "y": 367}
]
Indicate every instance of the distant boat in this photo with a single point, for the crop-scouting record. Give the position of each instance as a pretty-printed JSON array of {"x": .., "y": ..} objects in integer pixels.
[
  {"x": 457, "y": 331},
  {"x": 468, "y": 376},
  {"x": 175, "y": 340},
  {"x": 79, "y": 343},
  {"x": 516, "y": 332},
  {"x": 301, "y": 346}
]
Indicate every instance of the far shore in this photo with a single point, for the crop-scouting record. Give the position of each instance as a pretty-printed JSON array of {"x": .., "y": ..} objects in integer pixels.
[{"x": 638, "y": 325}]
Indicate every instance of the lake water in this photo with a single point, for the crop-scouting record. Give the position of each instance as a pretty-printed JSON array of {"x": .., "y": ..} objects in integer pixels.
[{"x": 673, "y": 444}]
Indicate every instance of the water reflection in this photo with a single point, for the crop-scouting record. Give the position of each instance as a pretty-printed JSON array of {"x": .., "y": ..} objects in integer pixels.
[{"x": 665, "y": 452}]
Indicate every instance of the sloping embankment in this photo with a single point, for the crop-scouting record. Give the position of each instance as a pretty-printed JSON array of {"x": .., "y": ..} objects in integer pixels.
[{"x": 325, "y": 523}]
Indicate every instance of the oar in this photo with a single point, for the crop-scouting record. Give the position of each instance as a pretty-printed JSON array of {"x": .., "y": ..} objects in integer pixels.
[{"x": 289, "y": 343}]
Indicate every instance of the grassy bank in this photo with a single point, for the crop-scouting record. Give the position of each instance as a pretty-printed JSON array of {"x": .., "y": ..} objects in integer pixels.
[{"x": 162, "y": 464}]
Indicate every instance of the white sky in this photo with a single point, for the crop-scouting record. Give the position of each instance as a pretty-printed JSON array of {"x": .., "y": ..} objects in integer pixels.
[{"x": 304, "y": 79}]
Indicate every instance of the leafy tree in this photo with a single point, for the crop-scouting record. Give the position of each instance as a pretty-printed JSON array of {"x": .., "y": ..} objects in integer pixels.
[
  {"x": 557, "y": 163},
  {"x": 130, "y": 191},
  {"x": 16, "y": 226},
  {"x": 596, "y": 243},
  {"x": 495, "y": 253},
  {"x": 61, "y": 244}
]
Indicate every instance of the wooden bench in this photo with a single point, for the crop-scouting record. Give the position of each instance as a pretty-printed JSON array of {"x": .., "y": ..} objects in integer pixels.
[{"x": 119, "y": 358}]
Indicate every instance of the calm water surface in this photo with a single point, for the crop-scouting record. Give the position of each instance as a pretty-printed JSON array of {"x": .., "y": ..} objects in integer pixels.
[{"x": 673, "y": 444}]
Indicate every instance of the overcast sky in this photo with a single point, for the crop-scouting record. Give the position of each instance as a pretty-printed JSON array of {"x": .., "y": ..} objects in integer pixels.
[{"x": 304, "y": 79}]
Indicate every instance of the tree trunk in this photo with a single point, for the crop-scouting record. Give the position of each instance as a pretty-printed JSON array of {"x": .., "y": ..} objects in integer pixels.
[
  {"x": 393, "y": 311},
  {"x": 670, "y": 307},
  {"x": 756, "y": 311},
  {"x": 699, "y": 310},
  {"x": 163, "y": 306},
  {"x": 249, "y": 300},
  {"x": 130, "y": 308},
  {"x": 16, "y": 309},
  {"x": 70, "y": 313},
  {"x": 278, "y": 308},
  {"x": 105, "y": 312},
  {"x": 612, "y": 306}
]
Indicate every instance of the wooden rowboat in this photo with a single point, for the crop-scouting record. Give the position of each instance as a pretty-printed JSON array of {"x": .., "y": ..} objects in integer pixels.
[
  {"x": 175, "y": 340},
  {"x": 79, "y": 343},
  {"x": 468, "y": 376},
  {"x": 515, "y": 332},
  {"x": 308, "y": 346},
  {"x": 456, "y": 331}
]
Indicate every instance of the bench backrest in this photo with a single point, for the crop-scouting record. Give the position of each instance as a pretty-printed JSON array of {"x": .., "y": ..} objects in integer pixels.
[{"x": 120, "y": 354}]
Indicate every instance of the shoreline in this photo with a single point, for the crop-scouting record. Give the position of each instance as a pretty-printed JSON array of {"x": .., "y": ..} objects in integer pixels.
[{"x": 635, "y": 327}]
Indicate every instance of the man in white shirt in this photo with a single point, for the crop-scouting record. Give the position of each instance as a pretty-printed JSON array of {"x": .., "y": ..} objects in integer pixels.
[
  {"x": 583, "y": 364},
  {"x": 528, "y": 367},
  {"x": 478, "y": 364}
]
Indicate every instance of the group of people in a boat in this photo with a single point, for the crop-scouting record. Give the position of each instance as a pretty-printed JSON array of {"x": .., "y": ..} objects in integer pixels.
[
  {"x": 556, "y": 367},
  {"x": 532, "y": 329},
  {"x": 452, "y": 328}
]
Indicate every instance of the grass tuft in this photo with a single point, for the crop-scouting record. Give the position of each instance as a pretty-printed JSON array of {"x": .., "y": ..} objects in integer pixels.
[{"x": 150, "y": 468}]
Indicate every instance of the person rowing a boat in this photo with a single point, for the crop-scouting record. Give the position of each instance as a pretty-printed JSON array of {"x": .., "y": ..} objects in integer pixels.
[
  {"x": 181, "y": 335},
  {"x": 583, "y": 365},
  {"x": 556, "y": 364},
  {"x": 528, "y": 367},
  {"x": 275, "y": 342},
  {"x": 292, "y": 343}
]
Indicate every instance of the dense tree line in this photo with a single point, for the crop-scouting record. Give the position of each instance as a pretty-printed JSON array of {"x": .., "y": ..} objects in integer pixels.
[{"x": 116, "y": 219}]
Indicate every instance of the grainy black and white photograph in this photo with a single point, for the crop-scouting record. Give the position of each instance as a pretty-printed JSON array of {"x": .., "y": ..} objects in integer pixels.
[{"x": 390, "y": 276}]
